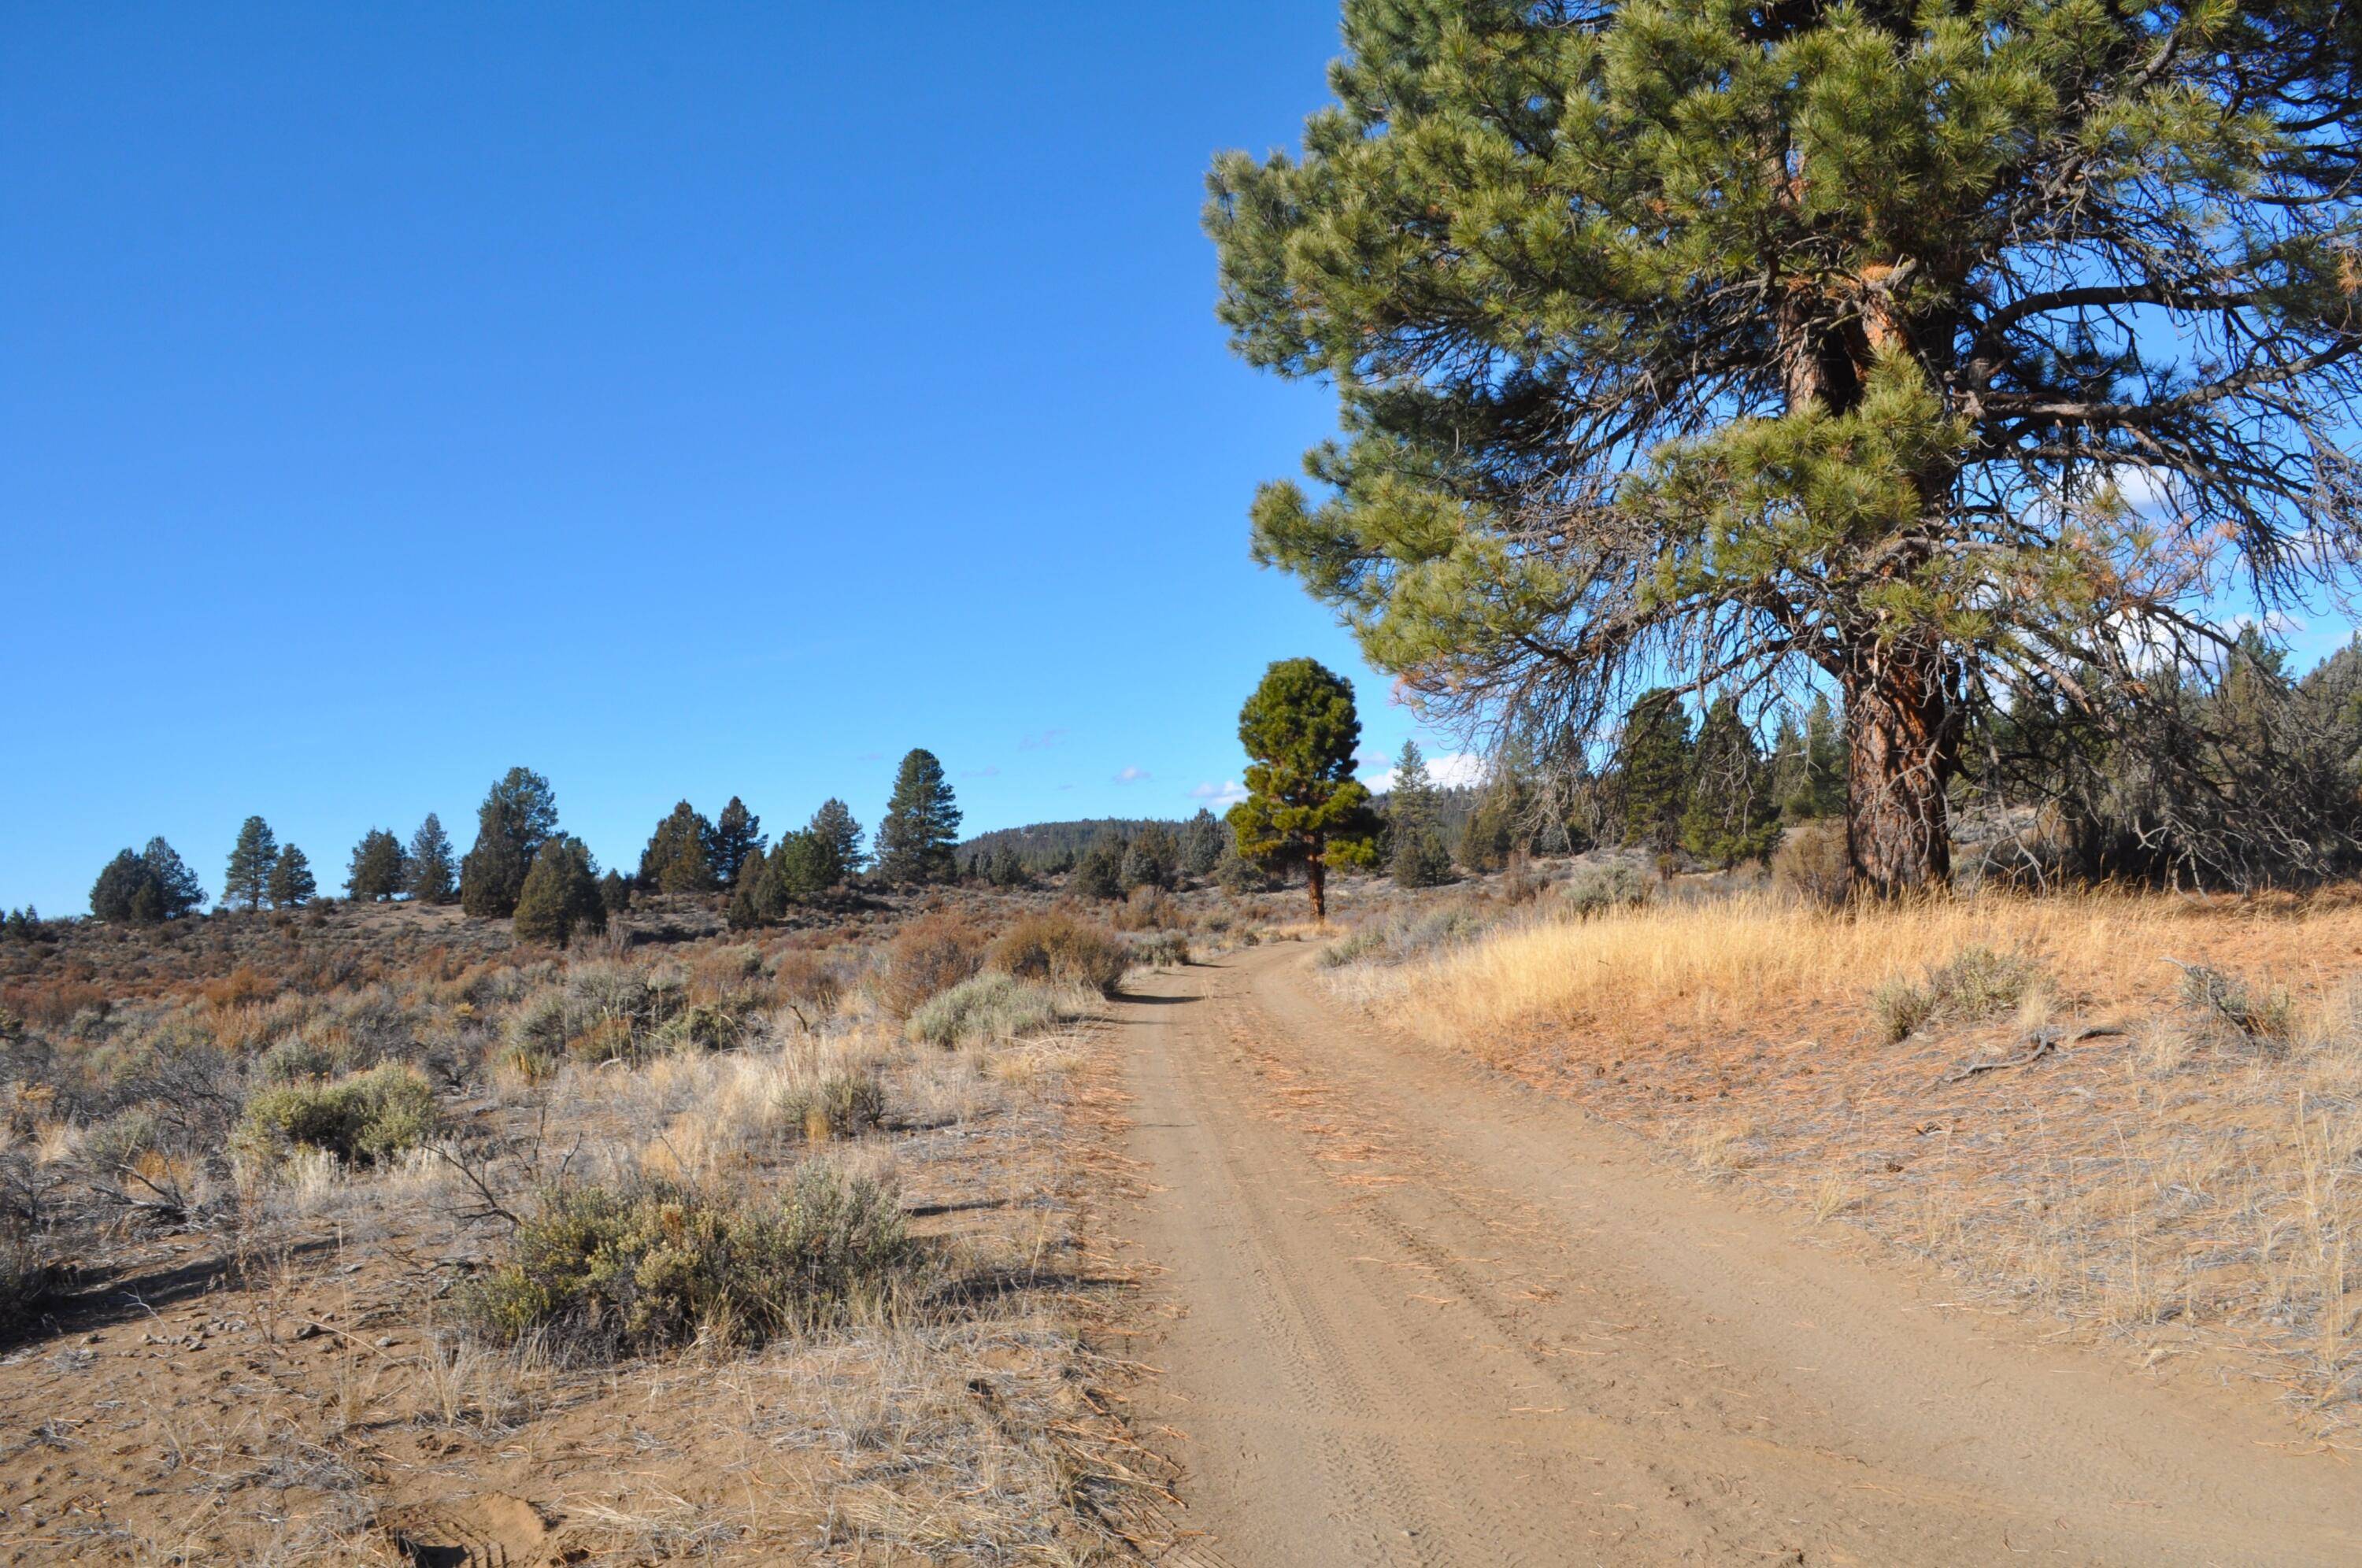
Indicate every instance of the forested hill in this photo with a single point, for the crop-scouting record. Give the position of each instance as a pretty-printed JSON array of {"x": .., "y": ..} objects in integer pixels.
[{"x": 1042, "y": 844}]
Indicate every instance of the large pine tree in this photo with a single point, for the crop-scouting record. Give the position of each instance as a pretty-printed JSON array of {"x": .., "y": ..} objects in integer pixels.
[
  {"x": 679, "y": 855},
  {"x": 292, "y": 882},
  {"x": 916, "y": 840},
  {"x": 737, "y": 835},
  {"x": 840, "y": 837},
  {"x": 246, "y": 883},
  {"x": 1730, "y": 342}
]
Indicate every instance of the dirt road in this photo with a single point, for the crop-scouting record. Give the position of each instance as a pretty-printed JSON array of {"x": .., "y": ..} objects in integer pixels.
[{"x": 1418, "y": 1315}]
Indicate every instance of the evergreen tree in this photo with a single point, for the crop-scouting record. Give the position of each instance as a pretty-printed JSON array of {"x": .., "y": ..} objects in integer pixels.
[
  {"x": 519, "y": 814},
  {"x": 292, "y": 882},
  {"x": 807, "y": 865},
  {"x": 677, "y": 858},
  {"x": 921, "y": 824},
  {"x": 1731, "y": 336},
  {"x": 246, "y": 882},
  {"x": 1730, "y": 815},
  {"x": 737, "y": 834},
  {"x": 560, "y": 896},
  {"x": 1008, "y": 869},
  {"x": 1303, "y": 806},
  {"x": 1151, "y": 859},
  {"x": 171, "y": 889},
  {"x": 145, "y": 886},
  {"x": 1417, "y": 854},
  {"x": 1099, "y": 873},
  {"x": 840, "y": 836},
  {"x": 1808, "y": 764},
  {"x": 378, "y": 869},
  {"x": 754, "y": 898},
  {"x": 432, "y": 873},
  {"x": 1655, "y": 754},
  {"x": 1203, "y": 839},
  {"x": 615, "y": 893}
]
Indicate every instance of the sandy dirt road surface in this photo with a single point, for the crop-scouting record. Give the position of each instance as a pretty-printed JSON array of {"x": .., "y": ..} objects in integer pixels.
[{"x": 1416, "y": 1314}]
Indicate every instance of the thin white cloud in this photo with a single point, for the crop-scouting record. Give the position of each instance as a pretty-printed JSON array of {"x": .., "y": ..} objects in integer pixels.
[
  {"x": 1453, "y": 770},
  {"x": 1040, "y": 741},
  {"x": 1133, "y": 775},
  {"x": 1228, "y": 793}
]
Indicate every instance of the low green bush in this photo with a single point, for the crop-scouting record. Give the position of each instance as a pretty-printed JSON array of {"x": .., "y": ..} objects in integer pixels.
[
  {"x": 1603, "y": 887},
  {"x": 1977, "y": 983},
  {"x": 600, "y": 1272},
  {"x": 988, "y": 1009},
  {"x": 362, "y": 1120}
]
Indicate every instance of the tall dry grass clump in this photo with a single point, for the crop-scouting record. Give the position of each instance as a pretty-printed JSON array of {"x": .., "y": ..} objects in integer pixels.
[{"x": 1711, "y": 961}]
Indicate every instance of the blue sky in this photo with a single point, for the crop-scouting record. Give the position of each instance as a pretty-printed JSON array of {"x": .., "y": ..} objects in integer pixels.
[{"x": 692, "y": 400}]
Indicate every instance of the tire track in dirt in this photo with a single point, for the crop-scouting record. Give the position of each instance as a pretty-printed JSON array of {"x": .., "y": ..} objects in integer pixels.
[{"x": 1420, "y": 1315}]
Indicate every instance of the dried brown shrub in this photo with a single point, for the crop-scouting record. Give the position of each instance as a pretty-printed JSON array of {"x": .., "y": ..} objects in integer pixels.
[{"x": 932, "y": 954}]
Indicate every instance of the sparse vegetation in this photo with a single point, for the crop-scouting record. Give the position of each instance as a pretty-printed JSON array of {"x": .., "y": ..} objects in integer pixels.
[
  {"x": 366, "y": 1119},
  {"x": 599, "y": 1271}
]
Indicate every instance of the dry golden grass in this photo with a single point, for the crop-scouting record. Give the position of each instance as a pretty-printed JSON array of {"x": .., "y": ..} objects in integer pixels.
[
  {"x": 1716, "y": 962},
  {"x": 2176, "y": 1184}
]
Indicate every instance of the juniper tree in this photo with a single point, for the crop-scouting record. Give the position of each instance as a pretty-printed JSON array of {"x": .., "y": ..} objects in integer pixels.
[
  {"x": 1730, "y": 341},
  {"x": 292, "y": 882},
  {"x": 1654, "y": 771},
  {"x": 1304, "y": 807},
  {"x": 840, "y": 834},
  {"x": 145, "y": 887},
  {"x": 678, "y": 857},
  {"x": 1416, "y": 853},
  {"x": 377, "y": 870},
  {"x": 614, "y": 893},
  {"x": 1730, "y": 815},
  {"x": 246, "y": 882},
  {"x": 1153, "y": 859},
  {"x": 1203, "y": 839},
  {"x": 805, "y": 866},
  {"x": 920, "y": 825},
  {"x": 737, "y": 834},
  {"x": 1099, "y": 873},
  {"x": 519, "y": 814},
  {"x": 432, "y": 873},
  {"x": 560, "y": 896}
]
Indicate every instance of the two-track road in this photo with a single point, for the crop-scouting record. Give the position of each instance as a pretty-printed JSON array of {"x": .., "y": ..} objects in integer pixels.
[{"x": 1418, "y": 1315}]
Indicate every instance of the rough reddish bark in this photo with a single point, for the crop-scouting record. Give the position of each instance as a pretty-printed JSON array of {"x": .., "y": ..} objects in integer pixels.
[{"x": 1902, "y": 737}]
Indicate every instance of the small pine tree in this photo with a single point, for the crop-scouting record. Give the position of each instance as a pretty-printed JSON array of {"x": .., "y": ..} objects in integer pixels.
[
  {"x": 1008, "y": 869},
  {"x": 292, "y": 882},
  {"x": 840, "y": 836},
  {"x": 112, "y": 896},
  {"x": 1099, "y": 873},
  {"x": 560, "y": 896},
  {"x": 678, "y": 857},
  {"x": 1203, "y": 839},
  {"x": 615, "y": 893},
  {"x": 1656, "y": 770},
  {"x": 805, "y": 866},
  {"x": 1418, "y": 858},
  {"x": 1303, "y": 806},
  {"x": 432, "y": 873},
  {"x": 519, "y": 814},
  {"x": 921, "y": 824},
  {"x": 1730, "y": 815},
  {"x": 378, "y": 869},
  {"x": 1153, "y": 859},
  {"x": 737, "y": 836},
  {"x": 246, "y": 882}
]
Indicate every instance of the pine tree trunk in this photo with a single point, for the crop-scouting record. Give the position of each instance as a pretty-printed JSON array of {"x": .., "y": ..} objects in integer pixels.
[
  {"x": 1902, "y": 740},
  {"x": 1317, "y": 873}
]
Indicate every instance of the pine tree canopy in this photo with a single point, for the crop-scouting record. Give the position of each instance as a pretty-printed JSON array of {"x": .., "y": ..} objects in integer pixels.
[
  {"x": 246, "y": 882},
  {"x": 560, "y": 896},
  {"x": 378, "y": 869},
  {"x": 1655, "y": 752},
  {"x": 1731, "y": 815},
  {"x": 1965, "y": 353},
  {"x": 518, "y": 815},
  {"x": 292, "y": 882},
  {"x": 679, "y": 857},
  {"x": 840, "y": 836},
  {"x": 737, "y": 834},
  {"x": 432, "y": 873},
  {"x": 1304, "y": 807},
  {"x": 145, "y": 887},
  {"x": 916, "y": 840}
]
